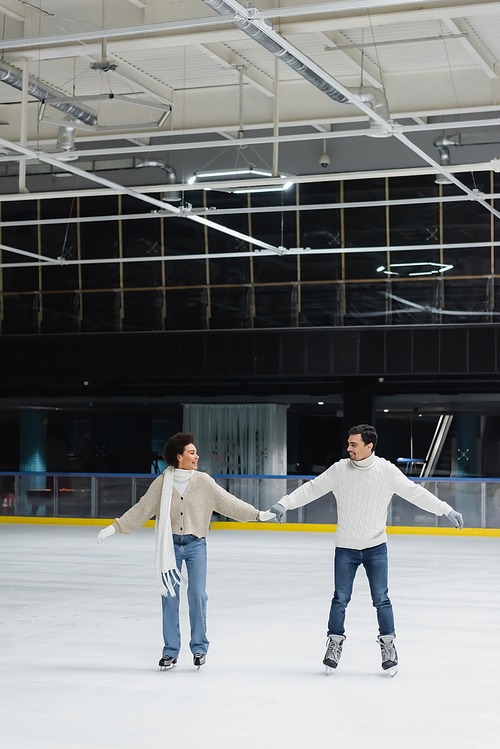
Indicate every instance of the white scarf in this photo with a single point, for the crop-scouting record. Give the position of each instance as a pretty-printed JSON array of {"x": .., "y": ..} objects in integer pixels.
[{"x": 166, "y": 570}]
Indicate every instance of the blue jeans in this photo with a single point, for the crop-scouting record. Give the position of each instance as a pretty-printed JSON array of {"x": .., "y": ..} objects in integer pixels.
[
  {"x": 193, "y": 551},
  {"x": 374, "y": 561}
]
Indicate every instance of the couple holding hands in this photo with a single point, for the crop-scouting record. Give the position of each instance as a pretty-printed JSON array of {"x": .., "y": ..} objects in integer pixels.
[{"x": 183, "y": 500}]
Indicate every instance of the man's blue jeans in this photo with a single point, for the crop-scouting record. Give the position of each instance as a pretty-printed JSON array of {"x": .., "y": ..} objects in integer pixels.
[
  {"x": 193, "y": 551},
  {"x": 374, "y": 561}
]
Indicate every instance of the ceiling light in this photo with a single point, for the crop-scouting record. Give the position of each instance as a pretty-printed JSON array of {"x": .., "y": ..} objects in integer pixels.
[
  {"x": 271, "y": 188},
  {"x": 432, "y": 268},
  {"x": 386, "y": 410},
  {"x": 321, "y": 403},
  {"x": 443, "y": 179},
  {"x": 235, "y": 172}
]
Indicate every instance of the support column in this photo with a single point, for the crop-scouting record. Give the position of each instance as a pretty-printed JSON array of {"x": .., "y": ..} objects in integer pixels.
[
  {"x": 32, "y": 457},
  {"x": 358, "y": 404}
]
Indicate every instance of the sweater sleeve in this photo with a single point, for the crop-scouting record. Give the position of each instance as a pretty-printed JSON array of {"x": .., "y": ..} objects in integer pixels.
[
  {"x": 232, "y": 507},
  {"x": 146, "y": 508},
  {"x": 311, "y": 490},
  {"x": 417, "y": 495}
]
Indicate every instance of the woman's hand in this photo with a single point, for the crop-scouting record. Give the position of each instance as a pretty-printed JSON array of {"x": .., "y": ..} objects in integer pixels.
[{"x": 109, "y": 531}]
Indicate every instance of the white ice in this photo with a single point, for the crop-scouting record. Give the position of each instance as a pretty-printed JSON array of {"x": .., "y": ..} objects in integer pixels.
[{"x": 81, "y": 639}]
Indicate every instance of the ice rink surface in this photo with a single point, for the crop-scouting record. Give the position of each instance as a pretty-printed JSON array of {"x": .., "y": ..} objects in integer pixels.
[{"x": 81, "y": 638}]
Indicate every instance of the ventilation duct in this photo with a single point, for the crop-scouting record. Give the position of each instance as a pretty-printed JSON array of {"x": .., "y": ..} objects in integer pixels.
[
  {"x": 14, "y": 77},
  {"x": 442, "y": 143},
  {"x": 371, "y": 96},
  {"x": 171, "y": 197}
]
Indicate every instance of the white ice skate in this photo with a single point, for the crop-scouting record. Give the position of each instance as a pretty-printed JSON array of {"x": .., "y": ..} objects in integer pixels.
[
  {"x": 333, "y": 652},
  {"x": 389, "y": 654}
]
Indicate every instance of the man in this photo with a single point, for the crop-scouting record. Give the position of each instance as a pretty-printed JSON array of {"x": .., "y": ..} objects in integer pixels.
[{"x": 363, "y": 485}]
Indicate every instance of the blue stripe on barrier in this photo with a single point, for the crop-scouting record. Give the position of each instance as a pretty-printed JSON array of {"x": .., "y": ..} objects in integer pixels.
[{"x": 238, "y": 476}]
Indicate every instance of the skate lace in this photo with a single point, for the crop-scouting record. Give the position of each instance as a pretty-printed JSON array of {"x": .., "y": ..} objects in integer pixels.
[
  {"x": 334, "y": 649},
  {"x": 388, "y": 650}
]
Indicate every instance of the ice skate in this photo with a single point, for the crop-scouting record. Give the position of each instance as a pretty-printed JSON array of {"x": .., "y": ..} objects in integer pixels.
[
  {"x": 389, "y": 654},
  {"x": 167, "y": 662},
  {"x": 199, "y": 660},
  {"x": 333, "y": 652}
]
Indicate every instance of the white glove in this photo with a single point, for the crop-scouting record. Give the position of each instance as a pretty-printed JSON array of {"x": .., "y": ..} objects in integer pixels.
[
  {"x": 266, "y": 515},
  {"x": 108, "y": 531},
  {"x": 456, "y": 518}
]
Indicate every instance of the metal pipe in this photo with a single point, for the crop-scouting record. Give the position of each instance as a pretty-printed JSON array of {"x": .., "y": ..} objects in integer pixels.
[
  {"x": 23, "y": 135},
  {"x": 14, "y": 77},
  {"x": 276, "y": 123}
]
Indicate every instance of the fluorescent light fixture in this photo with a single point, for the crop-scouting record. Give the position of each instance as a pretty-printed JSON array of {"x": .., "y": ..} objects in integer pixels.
[
  {"x": 321, "y": 403},
  {"x": 386, "y": 410},
  {"x": 271, "y": 188},
  {"x": 192, "y": 180},
  {"x": 233, "y": 172}
]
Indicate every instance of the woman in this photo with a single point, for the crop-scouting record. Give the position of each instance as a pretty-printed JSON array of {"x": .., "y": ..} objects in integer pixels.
[{"x": 182, "y": 501}]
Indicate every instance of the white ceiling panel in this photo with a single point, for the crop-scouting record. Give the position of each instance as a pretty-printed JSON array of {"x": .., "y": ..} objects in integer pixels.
[
  {"x": 487, "y": 30},
  {"x": 411, "y": 56},
  {"x": 181, "y": 67}
]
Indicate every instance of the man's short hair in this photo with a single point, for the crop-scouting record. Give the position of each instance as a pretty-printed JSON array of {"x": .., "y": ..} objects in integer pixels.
[
  {"x": 175, "y": 446},
  {"x": 367, "y": 432}
]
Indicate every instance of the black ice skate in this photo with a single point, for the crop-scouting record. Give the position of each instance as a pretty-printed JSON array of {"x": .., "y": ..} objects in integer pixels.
[
  {"x": 167, "y": 662},
  {"x": 389, "y": 654},
  {"x": 199, "y": 660},
  {"x": 333, "y": 652}
]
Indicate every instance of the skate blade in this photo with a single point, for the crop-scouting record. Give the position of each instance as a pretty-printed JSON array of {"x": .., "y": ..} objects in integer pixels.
[
  {"x": 392, "y": 671},
  {"x": 167, "y": 668},
  {"x": 329, "y": 670}
]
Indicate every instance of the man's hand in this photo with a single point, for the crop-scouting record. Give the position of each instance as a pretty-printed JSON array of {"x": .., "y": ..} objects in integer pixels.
[
  {"x": 109, "y": 531},
  {"x": 279, "y": 511},
  {"x": 456, "y": 519}
]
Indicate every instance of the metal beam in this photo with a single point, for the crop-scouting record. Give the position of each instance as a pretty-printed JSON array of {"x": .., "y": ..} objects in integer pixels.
[
  {"x": 13, "y": 9},
  {"x": 474, "y": 46},
  {"x": 229, "y": 59},
  {"x": 293, "y": 251},
  {"x": 244, "y": 210},
  {"x": 115, "y": 33},
  {"x": 181, "y": 213},
  {"x": 357, "y": 60},
  {"x": 266, "y": 140},
  {"x": 338, "y": 6},
  {"x": 306, "y": 179},
  {"x": 385, "y": 126}
]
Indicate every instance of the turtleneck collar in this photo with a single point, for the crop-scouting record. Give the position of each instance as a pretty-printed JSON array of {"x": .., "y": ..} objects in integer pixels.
[
  {"x": 181, "y": 475},
  {"x": 366, "y": 463}
]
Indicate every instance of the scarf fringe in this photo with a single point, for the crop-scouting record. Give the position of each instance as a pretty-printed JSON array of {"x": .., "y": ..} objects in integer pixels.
[{"x": 168, "y": 581}]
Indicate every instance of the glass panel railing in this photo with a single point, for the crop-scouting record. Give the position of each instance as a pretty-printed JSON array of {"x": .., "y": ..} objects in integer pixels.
[
  {"x": 74, "y": 497},
  {"x": 114, "y": 495},
  {"x": 110, "y": 495}
]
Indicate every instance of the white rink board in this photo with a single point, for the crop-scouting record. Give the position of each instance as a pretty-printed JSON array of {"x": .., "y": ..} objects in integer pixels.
[{"x": 81, "y": 640}]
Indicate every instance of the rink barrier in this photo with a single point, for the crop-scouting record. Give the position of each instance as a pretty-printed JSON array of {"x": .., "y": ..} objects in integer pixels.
[
  {"x": 294, "y": 527},
  {"x": 91, "y": 498}
]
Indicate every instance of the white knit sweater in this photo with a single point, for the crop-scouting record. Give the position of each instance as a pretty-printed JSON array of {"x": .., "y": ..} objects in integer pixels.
[{"x": 363, "y": 490}]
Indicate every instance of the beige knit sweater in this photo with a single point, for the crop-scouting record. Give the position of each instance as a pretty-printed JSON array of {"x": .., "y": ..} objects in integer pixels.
[{"x": 190, "y": 513}]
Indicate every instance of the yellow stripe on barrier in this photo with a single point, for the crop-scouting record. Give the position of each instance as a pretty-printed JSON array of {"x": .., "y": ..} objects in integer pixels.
[
  {"x": 295, "y": 527},
  {"x": 64, "y": 521}
]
